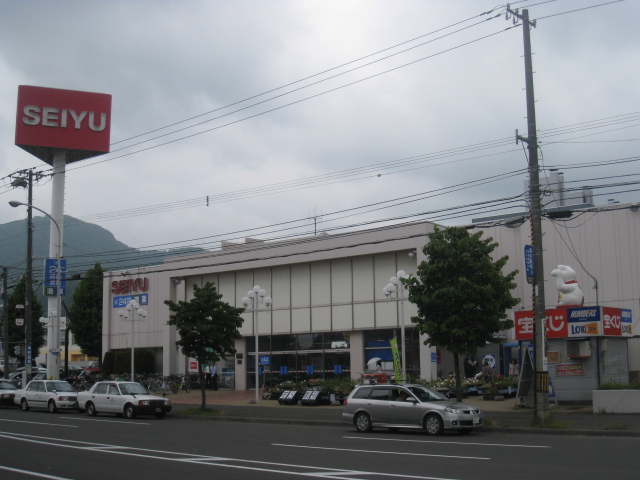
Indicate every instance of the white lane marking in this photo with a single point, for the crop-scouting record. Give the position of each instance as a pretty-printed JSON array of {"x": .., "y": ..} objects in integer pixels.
[
  {"x": 39, "y": 423},
  {"x": 261, "y": 466},
  {"x": 380, "y": 451},
  {"x": 105, "y": 420},
  {"x": 449, "y": 443},
  {"x": 35, "y": 474}
]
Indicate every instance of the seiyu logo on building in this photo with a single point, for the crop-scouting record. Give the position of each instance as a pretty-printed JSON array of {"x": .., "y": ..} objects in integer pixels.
[{"x": 584, "y": 321}]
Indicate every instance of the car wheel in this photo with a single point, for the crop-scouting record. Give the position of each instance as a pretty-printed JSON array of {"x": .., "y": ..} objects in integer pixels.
[
  {"x": 91, "y": 410},
  {"x": 24, "y": 405},
  {"x": 129, "y": 411},
  {"x": 433, "y": 424},
  {"x": 52, "y": 406},
  {"x": 160, "y": 415},
  {"x": 362, "y": 421}
]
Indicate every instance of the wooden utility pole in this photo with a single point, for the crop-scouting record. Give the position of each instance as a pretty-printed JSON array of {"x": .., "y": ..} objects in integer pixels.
[{"x": 541, "y": 374}]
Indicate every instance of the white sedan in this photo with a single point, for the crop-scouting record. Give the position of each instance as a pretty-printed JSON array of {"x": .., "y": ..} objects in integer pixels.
[
  {"x": 49, "y": 394},
  {"x": 122, "y": 398}
]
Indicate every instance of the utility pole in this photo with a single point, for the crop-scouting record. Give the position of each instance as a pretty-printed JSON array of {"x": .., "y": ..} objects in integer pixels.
[
  {"x": 541, "y": 374},
  {"x": 5, "y": 323},
  {"x": 28, "y": 292},
  {"x": 21, "y": 181}
]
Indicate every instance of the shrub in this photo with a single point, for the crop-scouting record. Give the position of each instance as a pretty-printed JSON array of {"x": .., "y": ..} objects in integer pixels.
[{"x": 619, "y": 386}]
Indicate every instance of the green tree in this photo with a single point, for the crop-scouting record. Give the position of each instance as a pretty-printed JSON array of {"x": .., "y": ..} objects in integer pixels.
[
  {"x": 208, "y": 328},
  {"x": 461, "y": 293},
  {"x": 86, "y": 313},
  {"x": 17, "y": 333}
]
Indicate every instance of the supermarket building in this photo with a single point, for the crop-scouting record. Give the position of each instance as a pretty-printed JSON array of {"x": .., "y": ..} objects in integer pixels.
[{"x": 329, "y": 315}]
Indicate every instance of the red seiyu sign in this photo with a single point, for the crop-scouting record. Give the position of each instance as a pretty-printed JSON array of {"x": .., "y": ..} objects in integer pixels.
[{"x": 50, "y": 118}]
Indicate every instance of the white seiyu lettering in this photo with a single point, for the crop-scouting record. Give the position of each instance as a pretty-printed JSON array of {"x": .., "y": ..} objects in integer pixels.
[
  {"x": 49, "y": 117},
  {"x": 92, "y": 123},
  {"x": 54, "y": 117},
  {"x": 32, "y": 117},
  {"x": 77, "y": 119}
]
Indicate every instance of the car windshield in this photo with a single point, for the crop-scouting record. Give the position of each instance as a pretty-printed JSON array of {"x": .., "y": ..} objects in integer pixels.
[
  {"x": 7, "y": 386},
  {"x": 59, "y": 387},
  {"x": 133, "y": 389},
  {"x": 427, "y": 395}
]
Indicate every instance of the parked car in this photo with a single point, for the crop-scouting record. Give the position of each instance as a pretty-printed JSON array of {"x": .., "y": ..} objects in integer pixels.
[
  {"x": 7, "y": 393},
  {"x": 122, "y": 398},
  {"x": 49, "y": 394},
  {"x": 16, "y": 379},
  {"x": 93, "y": 368},
  {"x": 395, "y": 406}
]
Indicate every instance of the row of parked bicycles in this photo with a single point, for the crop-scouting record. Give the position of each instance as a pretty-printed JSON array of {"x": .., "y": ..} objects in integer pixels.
[{"x": 154, "y": 382}]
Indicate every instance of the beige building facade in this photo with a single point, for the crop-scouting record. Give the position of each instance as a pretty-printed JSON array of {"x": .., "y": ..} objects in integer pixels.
[{"x": 329, "y": 315}]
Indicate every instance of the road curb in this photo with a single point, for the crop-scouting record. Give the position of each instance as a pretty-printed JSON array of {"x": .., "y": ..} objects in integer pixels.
[{"x": 329, "y": 423}]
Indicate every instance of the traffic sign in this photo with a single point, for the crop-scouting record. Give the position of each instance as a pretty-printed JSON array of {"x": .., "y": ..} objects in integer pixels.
[
  {"x": 51, "y": 275},
  {"x": 54, "y": 350},
  {"x": 529, "y": 263}
]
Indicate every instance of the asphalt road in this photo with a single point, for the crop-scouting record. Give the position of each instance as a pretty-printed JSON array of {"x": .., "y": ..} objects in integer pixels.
[{"x": 72, "y": 446}]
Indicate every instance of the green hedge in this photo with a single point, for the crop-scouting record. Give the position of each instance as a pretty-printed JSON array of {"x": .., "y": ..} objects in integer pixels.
[{"x": 619, "y": 386}]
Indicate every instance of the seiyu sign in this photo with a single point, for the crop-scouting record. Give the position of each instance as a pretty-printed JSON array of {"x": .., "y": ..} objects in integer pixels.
[{"x": 50, "y": 118}]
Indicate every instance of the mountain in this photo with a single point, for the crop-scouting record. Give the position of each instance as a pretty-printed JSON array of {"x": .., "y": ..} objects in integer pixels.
[{"x": 84, "y": 245}]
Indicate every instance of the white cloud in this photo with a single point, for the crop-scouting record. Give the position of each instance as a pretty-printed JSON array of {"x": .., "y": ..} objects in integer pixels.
[{"x": 164, "y": 62}]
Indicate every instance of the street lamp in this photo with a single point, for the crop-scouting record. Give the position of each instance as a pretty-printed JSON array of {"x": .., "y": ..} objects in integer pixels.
[
  {"x": 396, "y": 286},
  {"x": 253, "y": 298},
  {"x": 54, "y": 342},
  {"x": 133, "y": 313}
]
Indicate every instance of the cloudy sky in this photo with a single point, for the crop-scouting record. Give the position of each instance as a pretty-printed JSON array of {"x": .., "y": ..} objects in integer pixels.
[{"x": 248, "y": 118}]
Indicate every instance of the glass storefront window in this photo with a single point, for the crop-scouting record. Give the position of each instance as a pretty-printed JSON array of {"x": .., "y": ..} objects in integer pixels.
[
  {"x": 283, "y": 343},
  {"x": 300, "y": 357},
  {"x": 310, "y": 341},
  {"x": 335, "y": 340}
]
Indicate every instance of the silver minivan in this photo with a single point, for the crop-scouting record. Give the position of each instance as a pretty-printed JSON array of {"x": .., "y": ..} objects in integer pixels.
[{"x": 396, "y": 406}]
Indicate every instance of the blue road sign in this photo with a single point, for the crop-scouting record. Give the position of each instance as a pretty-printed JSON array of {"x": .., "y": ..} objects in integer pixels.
[
  {"x": 51, "y": 276},
  {"x": 529, "y": 263}
]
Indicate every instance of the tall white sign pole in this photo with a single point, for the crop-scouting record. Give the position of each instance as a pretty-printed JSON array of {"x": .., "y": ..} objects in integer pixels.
[{"x": 55, "y": 251}]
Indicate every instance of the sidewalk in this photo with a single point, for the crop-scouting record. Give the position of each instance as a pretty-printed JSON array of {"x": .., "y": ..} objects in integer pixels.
[{"x": 236, "y": 405}]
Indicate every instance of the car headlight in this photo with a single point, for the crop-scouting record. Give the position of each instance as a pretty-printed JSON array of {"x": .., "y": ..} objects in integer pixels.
[
  {"x": 453, "y": 410},
  {"x": 167, "y": 401},
  {"x": 66, "y": 399},
  {"x": 143, "y": 402}
]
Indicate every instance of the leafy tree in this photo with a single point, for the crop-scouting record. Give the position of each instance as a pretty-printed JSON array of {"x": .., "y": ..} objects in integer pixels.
[
  {"x": 86, "y": 313},
  {"x": 17, "y": 333},
  {"x": 207, "y": 327},
  {"x": 461, "y": 293}
]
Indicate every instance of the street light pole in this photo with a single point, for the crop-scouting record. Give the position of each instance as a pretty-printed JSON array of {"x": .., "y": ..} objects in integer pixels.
[
  {"x": 255, "y": 296},
  {"x": 396, "y": 286},
  {"x": 54, "y": 343},
  {"x": 132, "y": 311}
]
